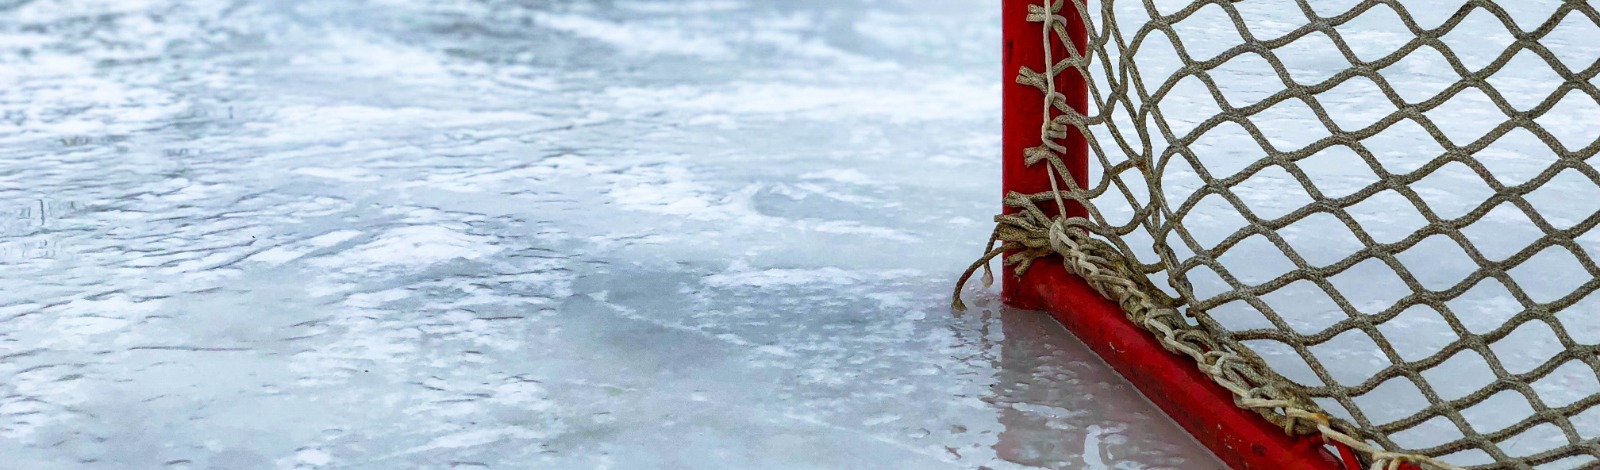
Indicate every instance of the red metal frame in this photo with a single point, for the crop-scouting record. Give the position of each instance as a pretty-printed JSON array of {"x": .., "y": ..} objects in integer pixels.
[{"x": 1240, "y": 438}]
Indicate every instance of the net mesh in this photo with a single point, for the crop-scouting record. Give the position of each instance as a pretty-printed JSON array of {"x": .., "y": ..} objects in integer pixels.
[{"x": 1375, "y": 220}]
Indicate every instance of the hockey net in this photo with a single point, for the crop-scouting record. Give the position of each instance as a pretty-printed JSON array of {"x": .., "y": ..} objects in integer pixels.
[{"x": 1367, "y": 220}]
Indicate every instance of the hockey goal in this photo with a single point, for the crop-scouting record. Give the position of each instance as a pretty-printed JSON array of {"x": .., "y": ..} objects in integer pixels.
[{"x": 1319, "y": 234}]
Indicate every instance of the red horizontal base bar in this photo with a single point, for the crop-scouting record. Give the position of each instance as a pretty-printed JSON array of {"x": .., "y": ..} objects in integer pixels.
[{"x": 1242, "y": 439}]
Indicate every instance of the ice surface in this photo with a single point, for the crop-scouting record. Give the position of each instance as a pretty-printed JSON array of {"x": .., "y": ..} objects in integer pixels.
[{"x": 496, "y": 234}]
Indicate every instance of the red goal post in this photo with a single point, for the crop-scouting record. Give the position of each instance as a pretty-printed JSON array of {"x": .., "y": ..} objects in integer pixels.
[{"x": 1240, "y": 438}]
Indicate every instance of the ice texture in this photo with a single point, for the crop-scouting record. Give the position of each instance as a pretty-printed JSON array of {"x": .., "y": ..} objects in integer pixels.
[{"x": 386, "y": 234}]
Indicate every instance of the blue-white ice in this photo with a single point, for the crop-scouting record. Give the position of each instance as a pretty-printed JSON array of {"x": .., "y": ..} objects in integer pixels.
[{"x": 391, "y": 234}]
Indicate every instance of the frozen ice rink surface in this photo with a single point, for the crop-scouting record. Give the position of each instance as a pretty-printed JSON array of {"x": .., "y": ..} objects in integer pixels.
[{"x": 544, "y": 234}]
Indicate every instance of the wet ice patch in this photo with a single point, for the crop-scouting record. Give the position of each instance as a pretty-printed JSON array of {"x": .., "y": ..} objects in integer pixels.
[
  {"x": 677, "y": 191},
  {"x": 69, "y": 103},
  {"x": 783, "y": 277},
  {"x": 476, "y": 180},
  {"x": 341, "y": 122},
  {"x": 290, "y": 251},
  {"x": 841, "y": 175},
  {"x": 376, "y": 299},
  {"x": 479, "y": 437},
  {"x": 64, "y": 9},
  {"x": 633, "y": 40},
  {"x": 670, "y": 190},
  {"x": 367, "y": 56},
  {"x": 937, "y": 98},
  {"x": 416, "y": 246},
  {"x": 312, "y": 457},
  {"x": 680, "y": 7},
  {"x": 741, "y": 276},
  {"x": 353, "y": 175},
  {"x": 197, "y": 190}
]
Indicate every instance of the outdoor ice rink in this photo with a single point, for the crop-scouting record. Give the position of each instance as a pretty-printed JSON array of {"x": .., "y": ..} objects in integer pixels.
[
  {"x": 563, "y": 234},
  {"x": 553, "y": 234}
]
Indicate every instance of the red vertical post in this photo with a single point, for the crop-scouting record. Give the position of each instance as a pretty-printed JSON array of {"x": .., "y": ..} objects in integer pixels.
[
  {"x": 1024, "y": 114},
  {"x": 1173, "y": 383}
]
